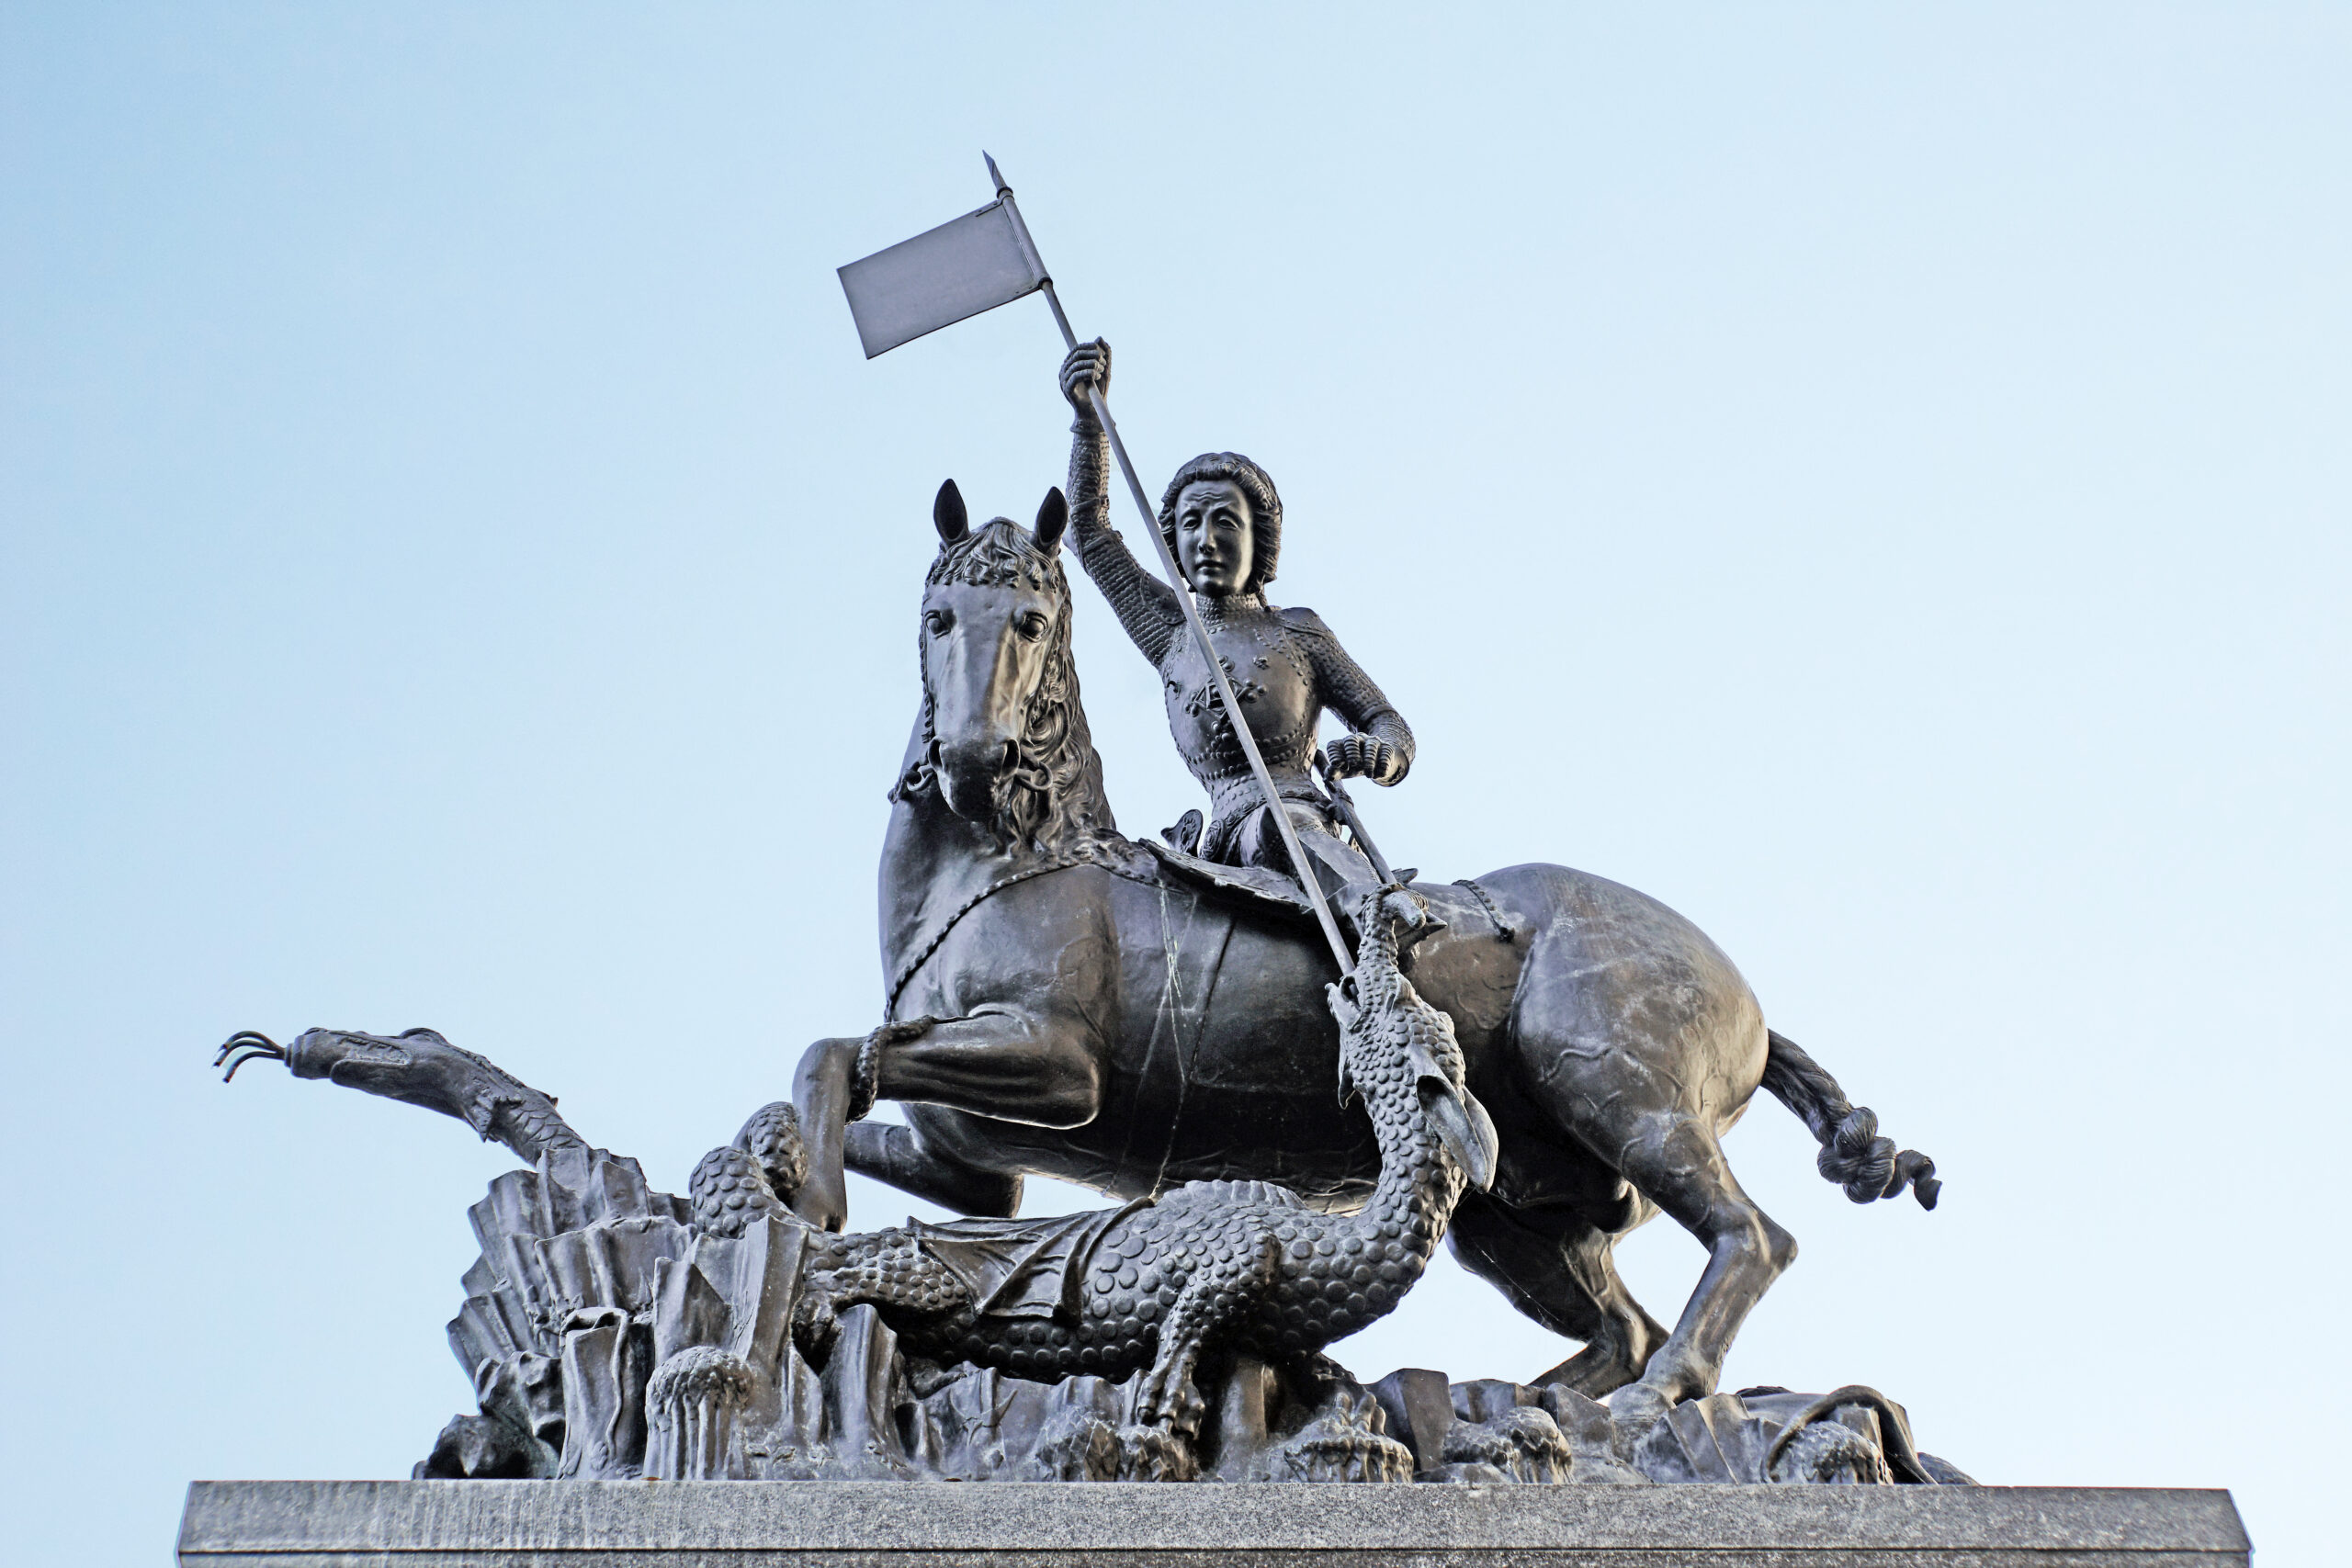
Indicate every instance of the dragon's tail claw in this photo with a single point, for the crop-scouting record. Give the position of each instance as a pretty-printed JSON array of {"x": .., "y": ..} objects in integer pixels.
[{"x": 246, "y": 1045}]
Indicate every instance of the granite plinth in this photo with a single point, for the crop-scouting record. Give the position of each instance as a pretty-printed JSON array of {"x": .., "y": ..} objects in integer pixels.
[{"x": 750, "y": 1524}]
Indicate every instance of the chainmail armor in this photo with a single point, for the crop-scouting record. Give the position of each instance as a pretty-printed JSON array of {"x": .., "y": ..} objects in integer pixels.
[{"x": 1301, "y": 672}]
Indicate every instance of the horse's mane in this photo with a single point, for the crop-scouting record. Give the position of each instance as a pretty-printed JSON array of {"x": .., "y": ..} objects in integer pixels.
[{"x": 1052, "y": 799}]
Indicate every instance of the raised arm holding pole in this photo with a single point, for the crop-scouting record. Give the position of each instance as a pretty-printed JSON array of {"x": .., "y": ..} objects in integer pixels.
[{"x": 1183, "y": 592}]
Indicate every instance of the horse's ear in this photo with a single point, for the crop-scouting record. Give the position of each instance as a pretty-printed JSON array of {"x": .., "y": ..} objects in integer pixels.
[
  {"x": 1053, "y": 517},
  {"x": 948, "y": 514}
]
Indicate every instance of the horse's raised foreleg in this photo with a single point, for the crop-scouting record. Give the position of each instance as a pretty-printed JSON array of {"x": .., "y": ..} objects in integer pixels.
[
  {"x": 1014, "y": 1067},
  {"x": 1044, "y": 1069}
]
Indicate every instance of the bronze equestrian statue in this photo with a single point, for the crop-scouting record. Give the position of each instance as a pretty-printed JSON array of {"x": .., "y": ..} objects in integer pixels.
[{"x": 1065, "y": 1001}]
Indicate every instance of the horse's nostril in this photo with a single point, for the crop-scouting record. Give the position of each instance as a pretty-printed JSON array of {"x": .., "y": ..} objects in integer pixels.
[{"x": 1012, "y": 758}]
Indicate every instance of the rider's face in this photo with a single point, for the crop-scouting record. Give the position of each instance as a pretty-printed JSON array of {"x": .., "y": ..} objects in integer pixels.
[{"x": 1215, "y": 544}]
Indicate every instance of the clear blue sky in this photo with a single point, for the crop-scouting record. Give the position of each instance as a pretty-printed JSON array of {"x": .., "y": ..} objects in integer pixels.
[{"x": 1876, "y": 478}]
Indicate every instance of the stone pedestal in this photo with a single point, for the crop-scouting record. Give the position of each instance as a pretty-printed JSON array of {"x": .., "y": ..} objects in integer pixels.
[{"x": 752, "y": 1524}]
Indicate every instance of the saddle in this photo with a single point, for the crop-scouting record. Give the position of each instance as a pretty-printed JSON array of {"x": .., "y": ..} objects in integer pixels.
[
  {"x": 1249, "y": 886},
  {"x": 1460, "y": 905}
]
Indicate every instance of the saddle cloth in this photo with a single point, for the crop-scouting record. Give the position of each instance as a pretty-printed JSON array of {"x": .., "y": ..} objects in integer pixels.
[{"x": 1257, "y": 888}]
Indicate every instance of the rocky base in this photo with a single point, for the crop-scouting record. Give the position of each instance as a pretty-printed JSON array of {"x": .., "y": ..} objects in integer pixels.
[
  {"x": 610, "y": 1337},
  {"x": 348, "y": 1524}
]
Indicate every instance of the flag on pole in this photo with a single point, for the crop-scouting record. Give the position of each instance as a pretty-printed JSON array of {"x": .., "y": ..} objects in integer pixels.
[{"x": 981, "y": 261}]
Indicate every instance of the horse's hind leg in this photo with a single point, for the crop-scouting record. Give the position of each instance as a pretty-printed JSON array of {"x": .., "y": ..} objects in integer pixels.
[
  {"x": 1673, "y": 1157},
  {"x": 1557, "y": 1268}
]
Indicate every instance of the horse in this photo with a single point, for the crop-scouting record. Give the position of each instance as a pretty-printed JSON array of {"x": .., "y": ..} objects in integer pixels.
[{"x": 1063, "y": 1001}]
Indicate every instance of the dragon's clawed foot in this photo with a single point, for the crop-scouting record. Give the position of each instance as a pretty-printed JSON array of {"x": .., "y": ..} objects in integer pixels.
[
  {"x": 1168, "y": 1398},
  {"x": 1184, "y": 1409},
  {"x": 1149, "y": 1394},
  {"x": 1155, "y": 1453},
  {"x": 246, "y": 1045}
]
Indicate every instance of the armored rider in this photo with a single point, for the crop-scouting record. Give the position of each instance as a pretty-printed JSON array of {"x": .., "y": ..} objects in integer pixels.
[{"x": 1223, "y": 522}]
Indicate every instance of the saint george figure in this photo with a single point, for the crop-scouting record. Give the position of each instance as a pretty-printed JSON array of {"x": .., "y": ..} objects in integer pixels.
[{"x": 1224, "y": 523}]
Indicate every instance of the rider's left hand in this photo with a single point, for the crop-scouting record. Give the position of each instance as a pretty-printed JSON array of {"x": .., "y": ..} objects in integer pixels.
[{"x": 1361, "y": 756}]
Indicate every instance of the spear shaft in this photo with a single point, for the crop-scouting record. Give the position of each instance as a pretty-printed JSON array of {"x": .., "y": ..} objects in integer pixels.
[{"x": 1175, "y": 575}]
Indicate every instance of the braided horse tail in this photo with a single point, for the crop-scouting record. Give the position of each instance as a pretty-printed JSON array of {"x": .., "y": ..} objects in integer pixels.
[{"x": 1852, "y": 1154}]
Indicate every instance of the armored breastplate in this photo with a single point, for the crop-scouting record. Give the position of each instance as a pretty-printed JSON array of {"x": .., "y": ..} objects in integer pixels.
[{"x": 1275, "y": 682}]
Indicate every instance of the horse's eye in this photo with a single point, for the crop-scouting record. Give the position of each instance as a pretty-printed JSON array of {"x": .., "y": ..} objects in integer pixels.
[
  {"x": 936, "y": 622},
  {"x": 1032, "y": 626}
]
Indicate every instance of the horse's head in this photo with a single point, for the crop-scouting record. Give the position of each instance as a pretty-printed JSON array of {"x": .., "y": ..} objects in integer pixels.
[{"x": 1007, "y": 743}]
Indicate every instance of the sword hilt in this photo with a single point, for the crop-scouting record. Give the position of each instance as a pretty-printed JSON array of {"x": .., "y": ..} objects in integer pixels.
[{"x": 1346, "y": 804}]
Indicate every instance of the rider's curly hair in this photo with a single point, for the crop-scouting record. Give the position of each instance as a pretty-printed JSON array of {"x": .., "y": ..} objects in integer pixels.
[{"x": 1265, "y": 508}]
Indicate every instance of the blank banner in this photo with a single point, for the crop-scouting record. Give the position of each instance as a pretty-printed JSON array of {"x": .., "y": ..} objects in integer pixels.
[{"x": 938, "y": 279}]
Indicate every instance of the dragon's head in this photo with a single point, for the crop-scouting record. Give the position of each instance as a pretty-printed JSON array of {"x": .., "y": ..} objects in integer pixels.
[
  {"x": 1396, "y": 913},
  {"x": 1394, "y": 1042}
]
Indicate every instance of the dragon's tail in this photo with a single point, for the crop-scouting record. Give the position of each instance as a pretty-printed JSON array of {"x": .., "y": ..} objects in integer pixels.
[{"x": 1852, "y": 1154}]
